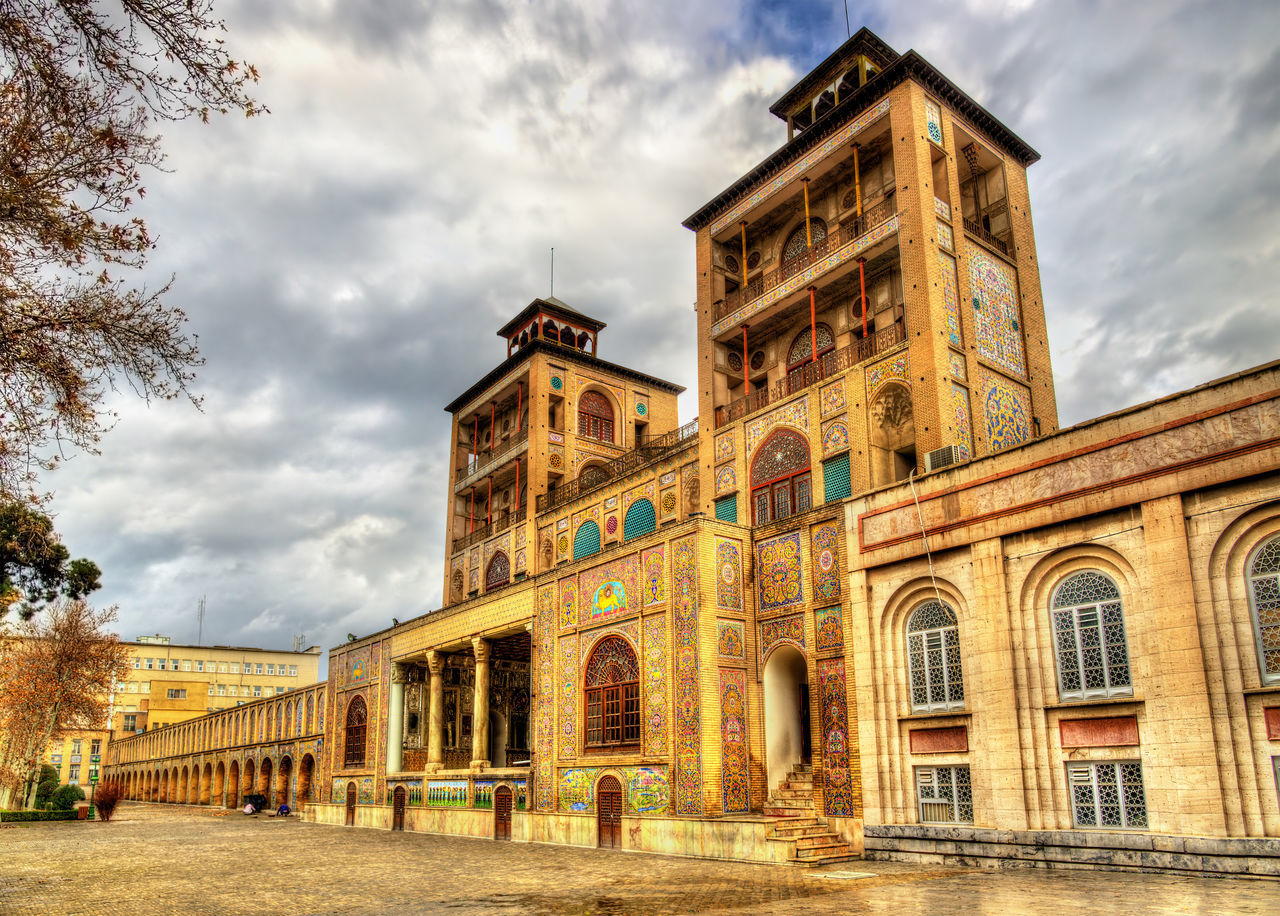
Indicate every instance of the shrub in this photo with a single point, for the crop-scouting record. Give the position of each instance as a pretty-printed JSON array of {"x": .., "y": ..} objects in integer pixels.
[
  {"x": 65, "y": 798},
  {"x": 47, "y": 785},
  {"x": 18, "y": 817},
  {"x": 105, "y": 799}
]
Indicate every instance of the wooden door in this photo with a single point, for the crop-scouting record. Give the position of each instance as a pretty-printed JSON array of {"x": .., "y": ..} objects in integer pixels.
[
  {"x": 502, "y": 813},
  {"x": 397, "y": 808},
  {"x": 351, "y": 804},
  {"x": 609, "y": 813}
]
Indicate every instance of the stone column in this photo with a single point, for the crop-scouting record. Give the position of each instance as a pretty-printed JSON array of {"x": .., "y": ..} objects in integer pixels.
[
  {"x": 395, "y": 717},
  {"x": 480, "y": 708},
  {"x": 435, "y": 715}
]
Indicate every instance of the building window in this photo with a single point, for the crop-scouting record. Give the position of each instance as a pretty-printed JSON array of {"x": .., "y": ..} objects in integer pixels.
[
  {"x": 257, "y": 669},
  {"x": 75, "y": 746},
  {"x": 151, "y": 664},
  {"x": 498, "y": 575},
  {"x": 798, "y": 241},
  {"x": 159, "y": 664},
  {"x": 137, "y": 663},
  {"x": 144, "y": 687},
  {"x": 612, "y": 701},
  {"x": 199, "y": 665},
  {"x": 211, "y": 690},
  {"x": 640, "y": 519},
  {"x": 186, "y": 664},
  {"x": 231, "y": 690},
  {"x": 727, "y": 509},
  {"x": 586, "y": 540},
  {"x": 73, "y": 774},
  {"x": 802, "y": 348},
  {"x": 595, "y": 417},
  {"x": 293, "y": 671},
  {"x": 235, "y": 668},
  {"x": 1088, "y": 638},
  {"x": 95, "y": 747},
  {"x": 780, "y": 480},
  {"x": 1107, "y": 794},
  {"x": 356, "y": 716},
  {"x": 1264, "y": 600},
  {"x": 835, "y": 479},
  {"x": 93, "y": 773},
  {"x": 222, "y": 690},
  {"x": 944, "y": 795},
  {"x": 176, "y": 693},
  {"x": 131, "y": 722},
  {"x": 933, "y": 658},
  {"x": 257, "y": 690},
  {"x": 222, "y": 667}
]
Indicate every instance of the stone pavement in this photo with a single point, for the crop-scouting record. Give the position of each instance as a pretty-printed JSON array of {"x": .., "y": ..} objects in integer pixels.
[{"x": 178, "y": 860}]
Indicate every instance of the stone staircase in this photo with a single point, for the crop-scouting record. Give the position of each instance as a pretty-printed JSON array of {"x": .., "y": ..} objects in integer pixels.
[{"x": 796, "y": 822}]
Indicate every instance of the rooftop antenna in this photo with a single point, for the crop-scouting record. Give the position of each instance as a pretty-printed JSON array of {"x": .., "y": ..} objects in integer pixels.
[
  {"x": 200, "y": 619},
  {"x": 299, "y": 642},
  {"x": 553, "y": 272},
  {"x": 848, "y": 28}
]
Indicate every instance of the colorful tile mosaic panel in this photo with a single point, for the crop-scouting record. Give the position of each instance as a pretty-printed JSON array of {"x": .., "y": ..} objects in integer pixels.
[
  {"x": 555, "y": 457},
  {"x": 545, "y": 726},
  {"x": 724, "y": 446},
  {"x": 835, "y": 437},
  {"x": 837, "y": 792},
  {"x": 642, "y": 492},
  {"x": 832, "y": 398},
  {"x": 726, "y": 479},
  {"x": 828, "y": 633},
  {"x": 359, "y": 667},
  {"x": 778, "y": 572},
  {"x": 577, "y": 787},
  {"x": 648, "y": 790},
  {"x": 896, "y": 367},
  {"x": 655, "y": 684},
  {"x": 610, "y": 590},
  {"x": 958, "y": 368},
  {"x": 568, "y": 602},
  {"x": 733, "y": 740},
  {"x": 522, "y": 559},
  {"x": 667, "y": 478},
  {"x": 789, "y": 630},
  {"x": 669, "y": 502},
  {"x": 942, "y": 208},
  {"x": 654, "y": 566},
  {"x": 826, "y": 565},
  {"x": 568, "y": 696},
  {"x": 446, "y": 793},
  {"x": 795, "y": 414},
  {"x": 833, "y": 143},
  {"x": 1006, "y": 405},
  {"x": 687, "y": 695},
  {"x": 611, "y": 502},
  {"x": 730, "y": 640},
  {"x": 611, "y": 525},
  {"x": 950, "y": 297},
  {"x": 630, "y": 630},
  {"x": 946, "y": 238},
  {"x": 996, "y": 319},
  {"x": 960, "y": 413},
  {"x": 562, "y": 524},
  {"x": 728, "y": 574},
  {"x": 521, "y": 535},
  {"x": 562, "y": 546},
  {"x": 933, "y": 118}
]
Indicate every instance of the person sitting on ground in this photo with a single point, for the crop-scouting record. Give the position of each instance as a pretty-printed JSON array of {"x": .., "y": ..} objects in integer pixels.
[{"x": 282, "y": 811}]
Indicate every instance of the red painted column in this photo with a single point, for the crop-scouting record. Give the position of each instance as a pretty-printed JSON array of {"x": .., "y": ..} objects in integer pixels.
[
  {"x": 862, "y": 283},
  {"x": 746, "y": 365},
  {"x": 813, "y": 321},
  {"x": 488, "y": 509}
]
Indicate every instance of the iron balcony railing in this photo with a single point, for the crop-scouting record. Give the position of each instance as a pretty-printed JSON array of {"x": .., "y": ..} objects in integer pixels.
[
  {"x": 837, "y": 238},
  {"x": 824, "y": 367},
  {"x": 502, "y": 522},
  {"x": 652, "y": 450},
  {"x": 479, "y": 465},
  {"x": 976, "y": 230}
]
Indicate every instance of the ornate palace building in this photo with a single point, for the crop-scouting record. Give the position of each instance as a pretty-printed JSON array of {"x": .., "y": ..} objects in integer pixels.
[{"x": 871, "y": 602}]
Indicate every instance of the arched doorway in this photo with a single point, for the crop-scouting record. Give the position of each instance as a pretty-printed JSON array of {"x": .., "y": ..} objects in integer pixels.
[
  {"x": 502, "y": 813},
  {"x": 351, "y": 804},
  {"x": 892, "y": 438},
  {"x": 219, "y": 784},
  {"x": 497, "y": 738},
  {"x": 304, "y": 780},
  {"x": 264, "y": 778},
  {"x": 233, "y": 785},
  {"x": 786, "y": 713},
  {"x": 398, "y": 799},
  {"x": 283, "y": 775},
  {"x": 206, "y": 783},
  {"x": 781, "y": 483},
  {"x": 609, "y": 813},
  {"x": 163, "y": 794}
]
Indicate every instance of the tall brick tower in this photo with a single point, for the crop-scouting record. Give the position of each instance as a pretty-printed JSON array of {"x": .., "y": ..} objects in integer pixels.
[{"x": 869, "y": 292}]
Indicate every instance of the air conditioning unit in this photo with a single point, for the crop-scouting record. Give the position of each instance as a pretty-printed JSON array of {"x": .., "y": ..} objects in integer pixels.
[{"x": 941, "y": 458}]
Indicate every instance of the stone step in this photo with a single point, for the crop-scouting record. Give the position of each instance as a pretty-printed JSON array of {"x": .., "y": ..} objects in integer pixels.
[
  {"x": 818, "y": 840},
  {"x": 821, "y": 861},
  {"x": 782, "y": 792},
  {"x": 788, "y": 828},
  {"x": 772, "y": 810},
  {"x": 826, "y": 848}
]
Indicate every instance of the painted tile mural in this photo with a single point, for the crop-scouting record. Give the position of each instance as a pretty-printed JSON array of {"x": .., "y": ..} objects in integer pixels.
[
  {"x": 569, "y": 696},
  {"x": 655, "y": 576},
  {"x": 730, "y": 642},
  {"x": 728, "y": 574},
  {"x": 826, "y": 565},
  {"x": 568, "y": 602},
  {"x": 610, "y": 590},
  {"x": 960, "y": 411},
  {"x": 726, "y": 479},
  {"x": 733, "y": 740},
  {"x": 794, "y": 414},
  {"x": 996, "y": 319},
  {"x": 577, "y": 787},
  {"x": 896, "y": 367},
  {"x": 958, "y": 366},
  {"x": 647, "y": 789},
  {"x": 778, "y": 572},
  {"x": 588, "y": 638},
  {"x": 828, "y": 633},
  {"x": 724, "y": 446},
  {"x": 833, "y": 398},
  {"x": 789, "y": 630},
  {"x": 835, "y": 437},
  {"x": 655, "y": 684},
  {"x": 950, "y": 296},
  {"x": 545, "y": 735},
  {"x": 1006, "y": 406},
  {"x": 837, "y": 784},
  {"x": 447, "y": 793},
  {"x": 933, "y": 117},
  {"x": 688, "y": 711}
]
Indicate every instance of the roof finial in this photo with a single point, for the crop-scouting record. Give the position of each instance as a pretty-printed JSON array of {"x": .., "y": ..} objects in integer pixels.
[{"x": 553, "y": 270}]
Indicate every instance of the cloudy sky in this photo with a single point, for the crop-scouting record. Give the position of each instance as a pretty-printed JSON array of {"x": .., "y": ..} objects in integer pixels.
[{"x": 347, "y": 259}]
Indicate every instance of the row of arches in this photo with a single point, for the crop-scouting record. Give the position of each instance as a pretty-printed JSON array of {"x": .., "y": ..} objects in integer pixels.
[
  {"x": 224, "y": 784},
  {"x": 640, "y": 519}
]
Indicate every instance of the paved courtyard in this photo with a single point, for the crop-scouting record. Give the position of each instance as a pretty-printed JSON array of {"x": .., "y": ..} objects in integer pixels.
[{"x": 174, "y": 860}]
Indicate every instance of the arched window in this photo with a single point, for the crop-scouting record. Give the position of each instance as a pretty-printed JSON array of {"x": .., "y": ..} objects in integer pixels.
[
  {"x": 1264, "y": 600},
  {"x": 933, "y": 658},
  {"x": 586, "y": 540},
  {"x": 595, "y": 416},
  {"x": 640, "y": 519},
  {"x": 780, "y": 481},
  {"x": 499, "y": 572},
  {"x": 279, "y": 720},
  {"x": 357, "y": 716},
  {"x": 612, "y": 688},
  {"x": 798, "y": 243},
  {"x": 311, "y": 705},
  {"x": 802, "y": 347},
  {"x": 592, "y": 476},
  {"x": 288, "y": 718},
  {"x": 1088, "y": 638}
]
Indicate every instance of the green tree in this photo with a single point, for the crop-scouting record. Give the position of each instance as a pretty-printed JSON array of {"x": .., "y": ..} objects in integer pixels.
[
  {"x": 65, "y": 798},
  {"x": 46, "y": 785},
  {"x": 35, "y": 566},
  {"x": 82, "y": 82}
]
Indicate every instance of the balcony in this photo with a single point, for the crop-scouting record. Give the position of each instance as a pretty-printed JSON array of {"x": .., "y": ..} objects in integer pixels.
[
  {"x": 654, "y": 449},
  {"x": 483, "y": 464},
  {"x": 501, "y": 522},
  {"x": 825, "y": 367},
  {"x": 975, "y": 230},
  {"x": 839, "y": 237}
]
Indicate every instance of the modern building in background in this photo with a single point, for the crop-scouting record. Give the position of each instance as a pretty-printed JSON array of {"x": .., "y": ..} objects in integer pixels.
[{"x": 873, "y": 601}]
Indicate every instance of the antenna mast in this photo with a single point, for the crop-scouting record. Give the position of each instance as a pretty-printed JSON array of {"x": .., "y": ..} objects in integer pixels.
[
  {"x": 553, "y": 271},
  {"x": 200, "y": 619}
]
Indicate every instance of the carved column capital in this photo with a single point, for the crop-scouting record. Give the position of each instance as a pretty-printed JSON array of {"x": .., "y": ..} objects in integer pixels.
[
  {"x": 399, "y": 673},
  {"x": 435, "y": 663},
  {"x": 481, "y": 647}
]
